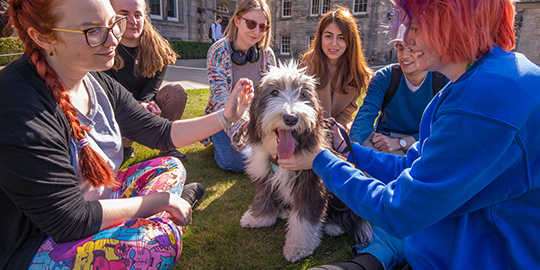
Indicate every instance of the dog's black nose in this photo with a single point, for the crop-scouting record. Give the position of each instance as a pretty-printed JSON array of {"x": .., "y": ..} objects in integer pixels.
[{"x": 290, "y": 120}]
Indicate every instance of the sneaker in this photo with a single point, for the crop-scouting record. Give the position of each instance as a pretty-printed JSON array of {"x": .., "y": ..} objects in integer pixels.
[
  {"x": 129, "y": 152},
  {"x": 174, "y": 153},
  {"x": 192, "y": 193}
]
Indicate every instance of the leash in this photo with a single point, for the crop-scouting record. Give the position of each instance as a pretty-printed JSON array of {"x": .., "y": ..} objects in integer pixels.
[
  {"x": 343, "y": 207},
  {"x": 347, "y": 140}
]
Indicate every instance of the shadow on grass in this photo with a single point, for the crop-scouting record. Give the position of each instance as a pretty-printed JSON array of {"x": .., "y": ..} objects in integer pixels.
[{"x": 215, "y": 240}]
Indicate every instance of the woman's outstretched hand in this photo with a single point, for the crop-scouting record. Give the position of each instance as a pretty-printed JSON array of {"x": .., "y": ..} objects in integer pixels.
[{"x": 239, "y": 100}]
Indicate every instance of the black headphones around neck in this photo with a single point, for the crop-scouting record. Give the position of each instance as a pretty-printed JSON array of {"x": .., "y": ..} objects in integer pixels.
[{"x": 241, "y": 58}]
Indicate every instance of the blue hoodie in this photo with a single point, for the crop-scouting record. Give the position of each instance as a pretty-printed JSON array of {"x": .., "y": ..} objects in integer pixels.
[
  {"x": 401, "y": 115},
  {"x": 467, "y": 194}
]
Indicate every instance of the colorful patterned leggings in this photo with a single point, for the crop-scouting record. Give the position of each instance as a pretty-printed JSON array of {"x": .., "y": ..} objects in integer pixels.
[{"x": 141, "y": 243}]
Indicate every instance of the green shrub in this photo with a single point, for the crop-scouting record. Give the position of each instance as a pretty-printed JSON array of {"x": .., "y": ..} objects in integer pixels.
[
  {"x": 190, "y": 49},
  {"x": 186, "y": 49},
  {"x": 10, "y": 45}
]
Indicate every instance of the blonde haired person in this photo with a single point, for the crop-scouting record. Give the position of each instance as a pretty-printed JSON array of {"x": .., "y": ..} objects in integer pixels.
[
  {"x": 140, "y": 64},
  {"x": 336, "y": 59},
  {"x": 244, "y": 52}
]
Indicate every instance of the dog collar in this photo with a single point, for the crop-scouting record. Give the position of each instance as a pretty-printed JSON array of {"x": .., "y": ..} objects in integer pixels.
[
  {"x": 273, "y": 159},
  {"x": 273, "y": 162}
]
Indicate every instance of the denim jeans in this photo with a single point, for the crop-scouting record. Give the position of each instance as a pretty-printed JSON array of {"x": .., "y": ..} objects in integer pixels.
[
  {"x": 388, "y": 249},
  {"x": 227, "y": 158}
]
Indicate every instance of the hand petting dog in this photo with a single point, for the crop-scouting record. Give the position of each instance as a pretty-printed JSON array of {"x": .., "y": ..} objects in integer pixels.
[
  {"x": 300, "y": 161},
  {"x": 239, "y": 100}
]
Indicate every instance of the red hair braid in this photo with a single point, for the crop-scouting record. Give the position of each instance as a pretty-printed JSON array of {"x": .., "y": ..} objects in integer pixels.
[{"x": 38, "y": 15}]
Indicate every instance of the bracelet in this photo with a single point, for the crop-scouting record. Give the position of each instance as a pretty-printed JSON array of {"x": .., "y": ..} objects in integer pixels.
[{"x": 223, "y": 120}]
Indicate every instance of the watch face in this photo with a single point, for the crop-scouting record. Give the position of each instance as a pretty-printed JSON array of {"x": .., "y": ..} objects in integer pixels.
[{"x": 403, "y": 143}]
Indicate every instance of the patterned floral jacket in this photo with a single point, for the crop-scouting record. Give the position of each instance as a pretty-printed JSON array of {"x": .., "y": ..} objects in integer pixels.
[{"x": 220, "y": 79}]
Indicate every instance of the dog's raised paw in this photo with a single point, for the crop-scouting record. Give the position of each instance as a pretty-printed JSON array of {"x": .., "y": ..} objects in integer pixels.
[
  {"x": 294, "y": 253},
  {"x": 284, "y": 213},
  {"x": 333, "y": 229},
  {"x": 249, "y": 221}
]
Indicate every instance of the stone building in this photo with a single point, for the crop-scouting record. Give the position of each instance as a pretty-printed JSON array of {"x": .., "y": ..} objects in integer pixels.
[
  {"x": 294, "y": 23},
  {"x": 528, "y": 29},
  {"x": 188, "y": 19}
]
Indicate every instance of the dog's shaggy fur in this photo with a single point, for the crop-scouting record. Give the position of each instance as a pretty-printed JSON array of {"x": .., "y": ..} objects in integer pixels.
[{"x": 286, "y": 118}]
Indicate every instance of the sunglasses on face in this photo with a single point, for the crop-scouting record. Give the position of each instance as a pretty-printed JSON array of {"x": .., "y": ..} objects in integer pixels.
[
  {"x": 251, "y": 24},
  {"x": 96, "y": 36}
]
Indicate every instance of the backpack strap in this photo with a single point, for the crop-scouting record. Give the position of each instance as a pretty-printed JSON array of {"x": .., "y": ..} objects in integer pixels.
[
  {"x": 395, "y": 79},
  {"x": 438, "y": 81}
]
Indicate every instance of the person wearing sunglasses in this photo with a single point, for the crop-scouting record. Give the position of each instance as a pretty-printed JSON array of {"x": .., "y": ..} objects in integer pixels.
[
  {"x": 336, "y": 59},
  {"x": 141, "y": 72},
  {"x": 396, "y": 98},
  {"x": 244, "y": 52},
  {"x": 466, "y": 194},
  {"x": 65, "y": 203}
]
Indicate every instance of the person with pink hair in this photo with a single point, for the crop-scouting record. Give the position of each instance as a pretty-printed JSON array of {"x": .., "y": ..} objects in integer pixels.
[{"x": 466, "y": 194}]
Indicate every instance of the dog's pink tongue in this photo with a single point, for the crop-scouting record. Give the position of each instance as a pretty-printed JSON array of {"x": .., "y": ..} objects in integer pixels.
[{"x": 285, "y": 145}]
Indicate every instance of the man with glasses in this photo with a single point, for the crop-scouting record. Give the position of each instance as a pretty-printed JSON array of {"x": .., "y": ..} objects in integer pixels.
[{"x": 397, "y": 95}]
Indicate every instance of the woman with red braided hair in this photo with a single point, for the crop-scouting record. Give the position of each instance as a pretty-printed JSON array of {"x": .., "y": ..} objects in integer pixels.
[
  {"x": 64, "y": 203},
  {"x": 466, "y": 195}
]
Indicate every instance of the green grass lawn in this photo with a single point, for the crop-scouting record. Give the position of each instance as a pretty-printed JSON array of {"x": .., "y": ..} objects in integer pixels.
[{"x": 214, "y": 239}]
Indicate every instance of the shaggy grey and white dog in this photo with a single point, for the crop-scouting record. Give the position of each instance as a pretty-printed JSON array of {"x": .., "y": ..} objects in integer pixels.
[{"x": 286, "y": 118}]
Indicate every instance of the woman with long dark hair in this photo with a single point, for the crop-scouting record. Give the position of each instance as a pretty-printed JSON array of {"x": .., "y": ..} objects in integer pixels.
[{"x": 336, "y": 59}]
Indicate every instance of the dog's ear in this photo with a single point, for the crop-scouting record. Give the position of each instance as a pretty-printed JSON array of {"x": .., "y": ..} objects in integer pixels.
[{"x": 257, "y": 89}]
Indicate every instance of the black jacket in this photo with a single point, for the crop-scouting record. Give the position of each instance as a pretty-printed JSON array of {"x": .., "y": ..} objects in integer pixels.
[
  {"x": 39, "y": 196},
  {"x": 143, "y": 89}
]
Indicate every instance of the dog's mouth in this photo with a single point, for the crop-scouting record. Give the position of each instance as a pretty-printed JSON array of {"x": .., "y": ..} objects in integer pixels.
[{"x": 285, "y": 142}]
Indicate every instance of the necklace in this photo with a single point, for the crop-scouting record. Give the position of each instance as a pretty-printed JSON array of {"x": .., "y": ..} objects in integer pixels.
[
  {"x": 470, "y": 64},
  {"x": 125, "y": 50}
]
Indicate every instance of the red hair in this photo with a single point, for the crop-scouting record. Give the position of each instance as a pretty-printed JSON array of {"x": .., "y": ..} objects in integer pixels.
[
  {"x": 38, "y": 14},
  {"x": 461, "y": 30}
]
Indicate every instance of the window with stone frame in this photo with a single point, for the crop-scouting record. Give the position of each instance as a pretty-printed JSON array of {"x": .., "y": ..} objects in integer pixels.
[
  {"x": 320, "y": 7},
  {"x": 286, "y": 8},
  {"x": 310, "y": 40},
  {"x": 155, "y": 9},
  {"x": 285, "y": 44},
  {"x": 326, "y": 6},
  {"x": 222, "y": 8},
  {"x": 360, "y": 6},
  {"x": 172, "y": 11}
]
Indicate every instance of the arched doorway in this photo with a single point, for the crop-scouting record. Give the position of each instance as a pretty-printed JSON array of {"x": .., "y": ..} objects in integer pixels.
[{"x": 224, "y": 10}]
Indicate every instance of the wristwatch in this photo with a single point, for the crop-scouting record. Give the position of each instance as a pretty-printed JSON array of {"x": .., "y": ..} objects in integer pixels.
[{"x": 402, "y": 143}]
